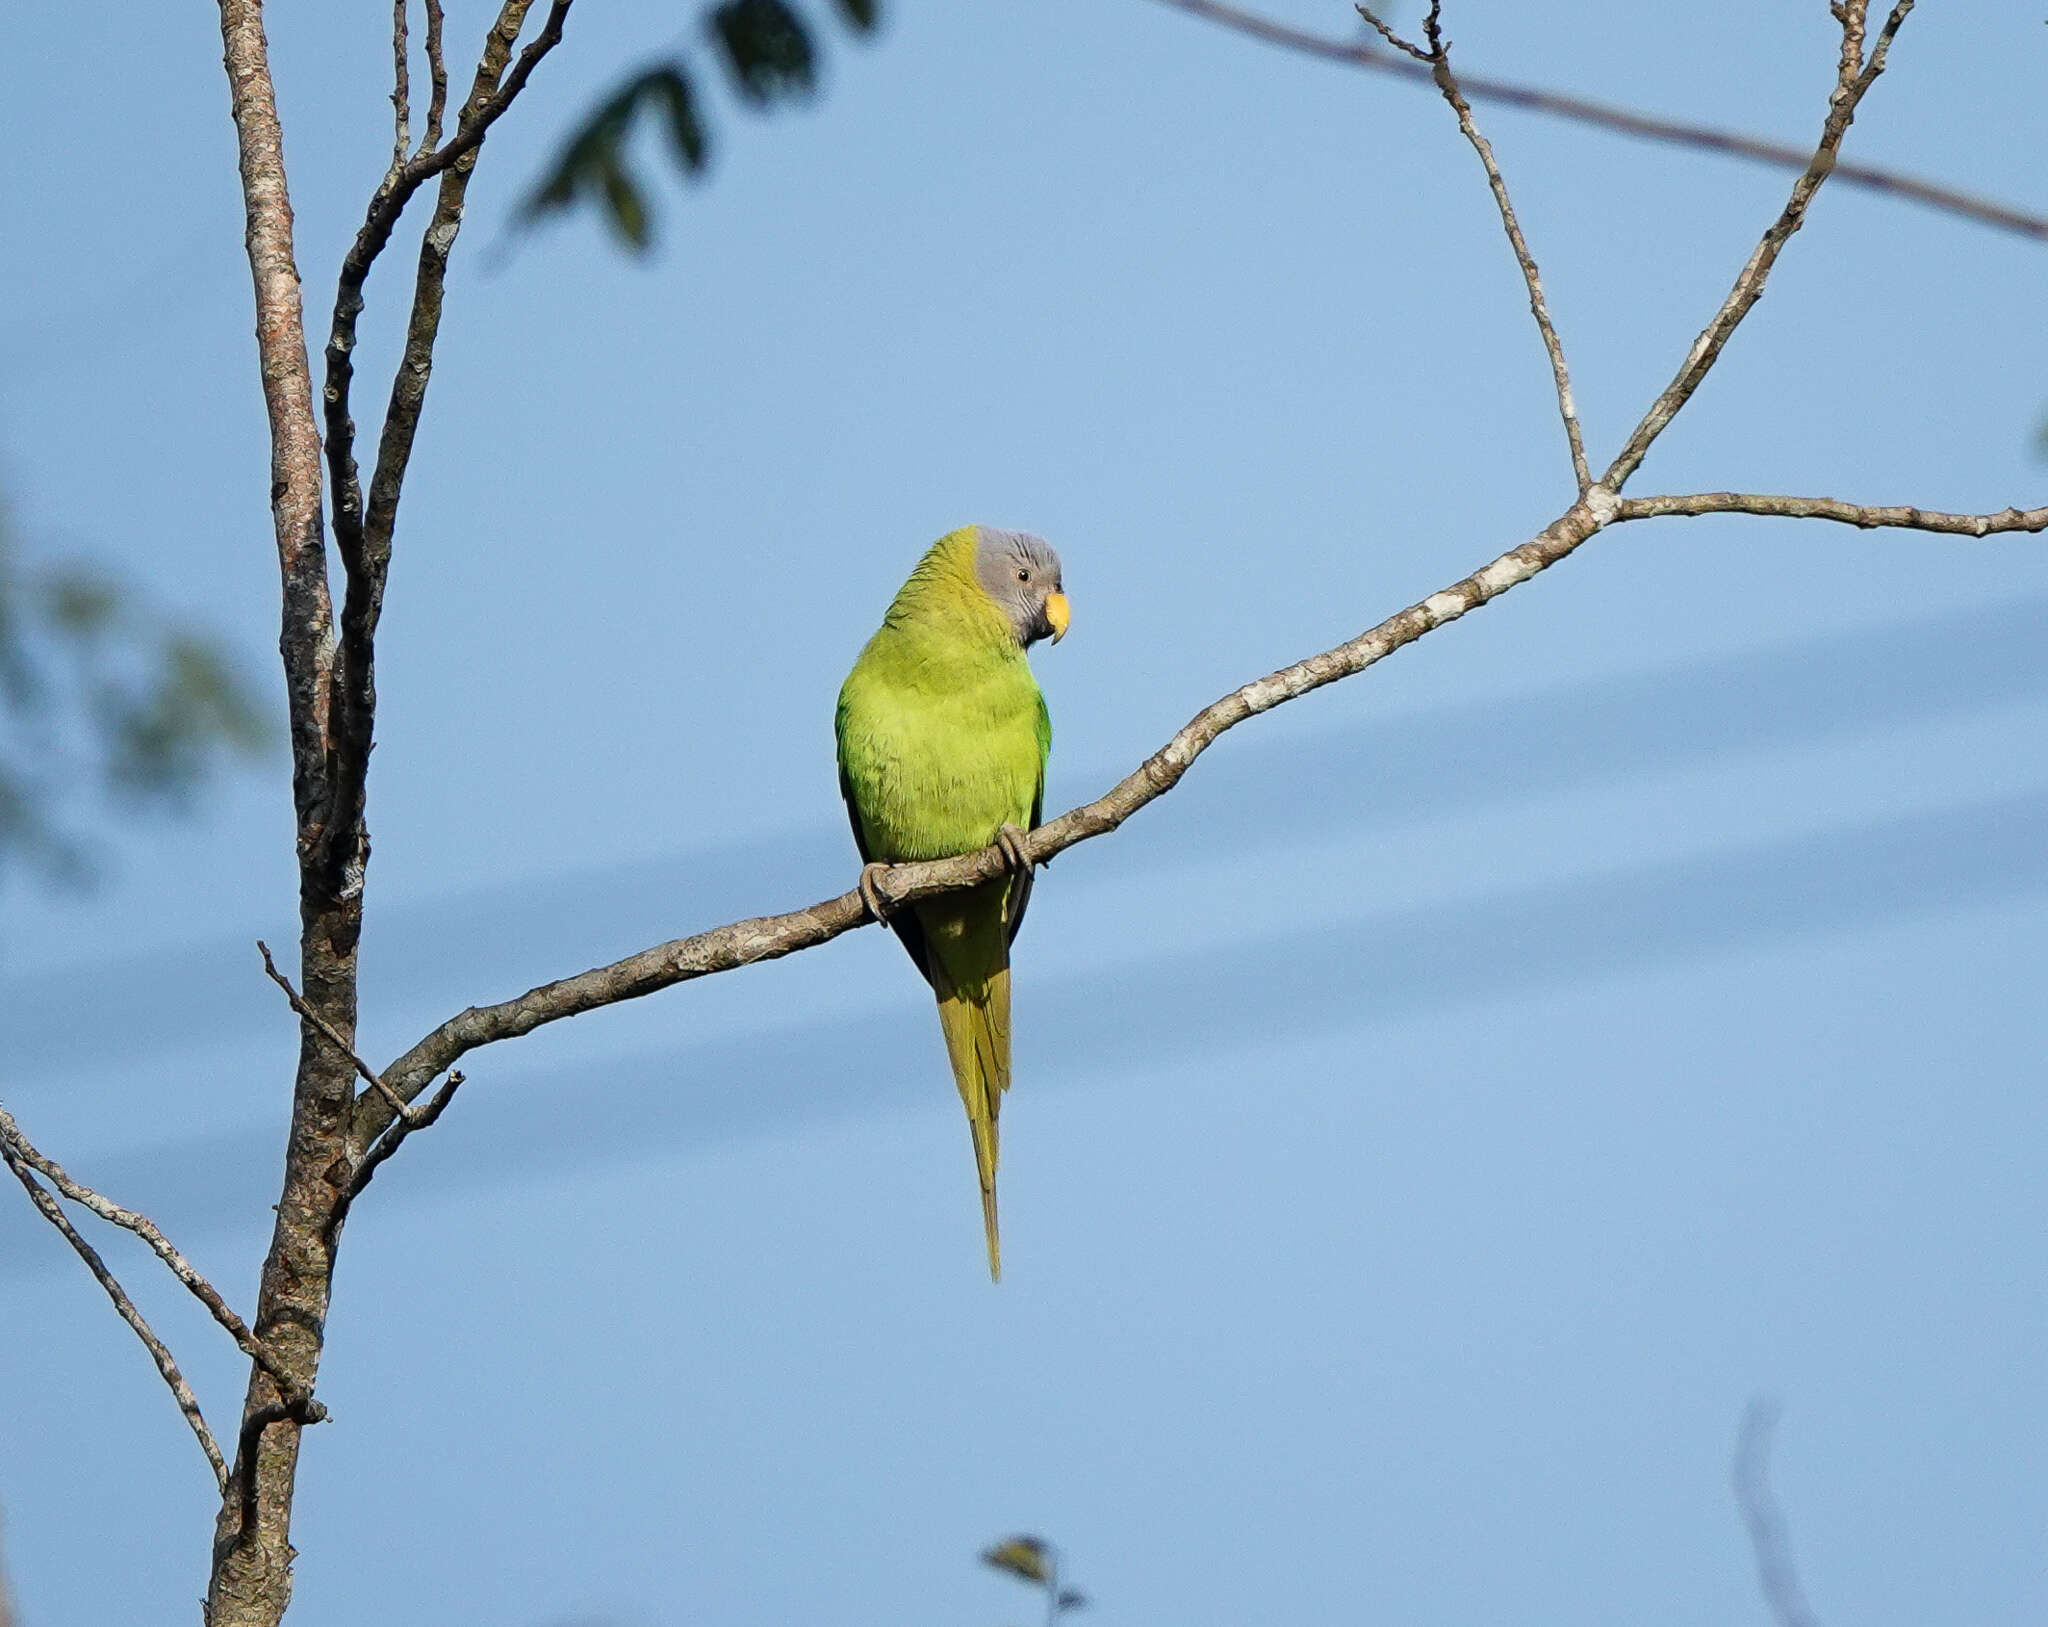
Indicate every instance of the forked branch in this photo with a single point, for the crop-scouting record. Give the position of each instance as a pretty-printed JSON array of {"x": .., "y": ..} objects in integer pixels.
[
  {"x": 159, "y": 1352},
  {"x": 20, "y": 1151},
  {"x": 1853, "y": 79}
]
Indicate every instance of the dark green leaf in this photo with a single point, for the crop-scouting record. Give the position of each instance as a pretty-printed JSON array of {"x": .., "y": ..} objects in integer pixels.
[
  {"x": 1073, "y": 1599},
  {"x": 861, "y": 14},
  {"x": 669, "y": 90},
  {"x": 624, "y": 205},
  {"x": 767, "y": 49}
]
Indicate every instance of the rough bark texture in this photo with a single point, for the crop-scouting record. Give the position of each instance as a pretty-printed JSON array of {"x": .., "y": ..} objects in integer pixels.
[
  {"x": 331, "y": 691},
  {"x": 251, "y": 1575}
]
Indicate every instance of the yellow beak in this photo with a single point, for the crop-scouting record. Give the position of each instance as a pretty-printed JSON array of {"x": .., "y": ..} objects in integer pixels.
[{"x": 1056, "y": 614}]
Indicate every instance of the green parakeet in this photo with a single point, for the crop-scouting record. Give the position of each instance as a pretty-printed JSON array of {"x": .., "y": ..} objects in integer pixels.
[{"x": 943, "y": 737}]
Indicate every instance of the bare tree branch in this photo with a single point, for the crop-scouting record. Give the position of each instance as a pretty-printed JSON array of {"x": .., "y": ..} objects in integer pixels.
[
  {"x": 743, "y": 943},
  {"x": 307, "y": 641},
  {"x": 330, "y": 691},
  {"x": 18, "y": 1146},
  {"x": 401, "y": 91},
  {"x": 1623, "y": 121},
  {"x": 437, "y": 74},
  {"x": 166, "y": 1365},
  {"x": 363, "y": 538},
  {"x": 1831, "y": 508},
  {"x": 1768, "y": 1536},
  {"x": 488, "y": 101},
  {"x": 1439, "y": 58},
  {"x": 402, "y": 1125},
  {"x": 327, "y": 1032},
  {"x": 1850, "y": 85}
]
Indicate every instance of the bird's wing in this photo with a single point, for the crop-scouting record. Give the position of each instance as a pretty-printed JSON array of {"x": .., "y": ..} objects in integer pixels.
[
  {"x": 904, "y": 922},
  {"x": 1020, "y": 886}
]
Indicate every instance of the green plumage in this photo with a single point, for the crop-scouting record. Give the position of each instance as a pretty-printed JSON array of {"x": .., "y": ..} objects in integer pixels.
[{"x": 943, "y": 737}]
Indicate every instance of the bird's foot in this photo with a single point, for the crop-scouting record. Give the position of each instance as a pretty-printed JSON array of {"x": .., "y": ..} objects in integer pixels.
[
  {"x": 1010, "y": 838},
  {"x": 871, "y": 892}
]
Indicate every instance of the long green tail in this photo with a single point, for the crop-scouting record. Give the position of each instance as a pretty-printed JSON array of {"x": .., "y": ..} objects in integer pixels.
[{"x": 970, "y": 961}]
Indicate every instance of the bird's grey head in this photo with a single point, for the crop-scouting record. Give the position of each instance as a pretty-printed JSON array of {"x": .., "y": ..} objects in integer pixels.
[{"x": 1022, "y": 574}]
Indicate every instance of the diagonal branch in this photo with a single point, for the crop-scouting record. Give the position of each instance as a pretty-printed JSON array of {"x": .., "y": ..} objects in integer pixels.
[
  {"x": 743, "y": 943},
  {"x": 159, "y": 1352},
  {"x": 1850, "y": 85},
  {"x": 328, "y": 1032},
  {"x": 1625, "y": 121},
  {"x": 1439, "y": 58},
  {"x": 15, "y": 1145}
]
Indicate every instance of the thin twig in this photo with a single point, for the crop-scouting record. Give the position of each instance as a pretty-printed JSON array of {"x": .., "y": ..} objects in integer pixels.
[
  {"x": 19, "y": 1146},
  {"x": 401, "y": 90},
  {"x": 1406, "y": 47},
  {"x": 414, "y": 1118},
  {"x": 1769, "y": 1538},
  {"x": 437, "y": 74},
  {"x": 1749, "y": 284},
  {"x": 328, "y": 1033},
  {"x": 1560, "y": 375},
  {"x": 1625, "y": 121},
  {"x": 166, "y": 1364}
]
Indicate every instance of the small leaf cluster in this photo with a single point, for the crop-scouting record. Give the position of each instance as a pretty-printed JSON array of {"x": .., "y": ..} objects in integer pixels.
[
  {"x": 769, "y": 52},
  {"x": 100, "y": 694}
]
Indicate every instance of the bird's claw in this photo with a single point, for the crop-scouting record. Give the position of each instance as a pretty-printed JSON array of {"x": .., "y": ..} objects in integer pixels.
[
  {"x": 1010, "y": 838},
  {"x": 871, "y": 892}
]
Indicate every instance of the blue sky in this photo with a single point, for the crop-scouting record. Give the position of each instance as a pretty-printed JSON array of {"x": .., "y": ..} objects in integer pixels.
[{"x": 1433, "y": 1121}]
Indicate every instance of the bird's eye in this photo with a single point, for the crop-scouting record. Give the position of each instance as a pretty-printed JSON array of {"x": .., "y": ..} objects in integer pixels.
[{"x": 1023, "y": 576}]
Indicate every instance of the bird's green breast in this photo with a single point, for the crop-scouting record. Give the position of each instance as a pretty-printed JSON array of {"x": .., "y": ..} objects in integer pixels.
[{"x": 942, "y": 730}]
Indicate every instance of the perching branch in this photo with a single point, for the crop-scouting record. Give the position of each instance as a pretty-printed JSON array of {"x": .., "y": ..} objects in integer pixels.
[
  {"x": 1768, "y": 1536},
  {"x": 1644, "y": 126},
  {"x": 743, "y": 943},
  {"x": 1852, "y": 80},
  {"x": 159, "y": 1353},
  {"x": 766, "y": 938}
]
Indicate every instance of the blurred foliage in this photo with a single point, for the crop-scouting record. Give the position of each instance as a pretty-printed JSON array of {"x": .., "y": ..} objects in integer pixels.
[
  {"x": 103, "y": 698},
  {"x": 769, "y": 52},
  {"x": 1034, "y": 1560}
]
